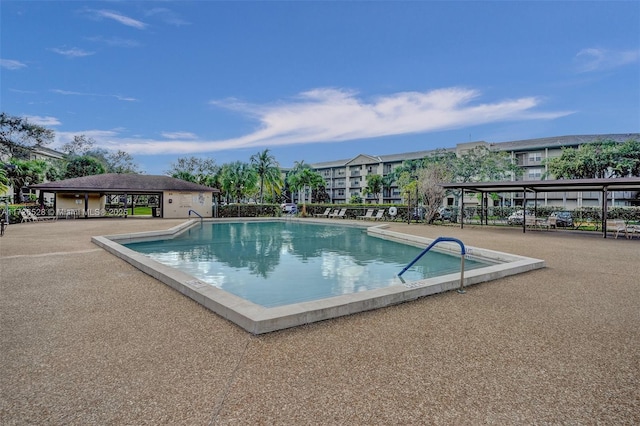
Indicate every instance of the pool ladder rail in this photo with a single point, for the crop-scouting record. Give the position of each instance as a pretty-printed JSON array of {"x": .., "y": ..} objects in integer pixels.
[
  {"x": 197, "y": 214},
  {"x": 463, "y": 253}
]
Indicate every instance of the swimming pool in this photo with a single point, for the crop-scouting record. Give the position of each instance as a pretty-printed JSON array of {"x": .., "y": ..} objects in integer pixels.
[
  {"x": 213, "y": 290},
  {"x": 280, "y": 263}
]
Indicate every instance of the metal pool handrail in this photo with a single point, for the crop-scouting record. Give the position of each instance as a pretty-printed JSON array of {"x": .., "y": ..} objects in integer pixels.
[
  {"x": 196, "y": 213},
  {"x": 463, "y": 252}
]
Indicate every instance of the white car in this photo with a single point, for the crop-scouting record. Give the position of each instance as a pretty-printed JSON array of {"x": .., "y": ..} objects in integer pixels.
[
  {"x": 289, "y": 208},
  {"x": 516, "y": 218}
]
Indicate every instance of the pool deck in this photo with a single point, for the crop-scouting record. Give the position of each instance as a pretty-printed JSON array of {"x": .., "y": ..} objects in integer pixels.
[{"x": 86, "y": 338}]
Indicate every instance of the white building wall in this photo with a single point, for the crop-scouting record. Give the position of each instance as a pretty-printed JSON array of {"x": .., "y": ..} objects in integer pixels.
[{"x": 176, "y": 205}]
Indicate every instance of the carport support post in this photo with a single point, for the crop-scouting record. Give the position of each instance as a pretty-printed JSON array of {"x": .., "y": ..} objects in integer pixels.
[
  {"x": 524, "y": 210},
  {"x": 485, "y": 208},
  {"x": 86, "y": 205},
  {"x": 462, "y": 210},
  {"x": 604, "y": 212}
]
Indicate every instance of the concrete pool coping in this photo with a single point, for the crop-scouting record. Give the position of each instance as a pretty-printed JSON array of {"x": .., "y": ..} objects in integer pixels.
[{"x": 257, "y": 319}]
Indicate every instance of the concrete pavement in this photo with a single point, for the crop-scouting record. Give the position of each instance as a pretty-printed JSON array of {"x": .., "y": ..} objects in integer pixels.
[{"x": 87, "y": 339}]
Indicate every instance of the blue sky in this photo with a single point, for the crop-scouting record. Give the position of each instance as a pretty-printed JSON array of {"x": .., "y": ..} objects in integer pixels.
[{"x": 318, "y": 81}]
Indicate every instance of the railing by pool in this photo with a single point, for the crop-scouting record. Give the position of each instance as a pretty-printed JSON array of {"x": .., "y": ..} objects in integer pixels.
[
  {"x": 196, "y": 213},
  {"x": 463, "y": 252}
]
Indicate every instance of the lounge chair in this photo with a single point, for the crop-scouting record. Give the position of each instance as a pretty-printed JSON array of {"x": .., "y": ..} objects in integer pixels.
[
  {"x": 27, "y": 216},
  {"x": 367, "y": 215},
  {"x": 325, "y": 214},
  {"x": 618, "y": 226},
  {"x": 340, "y": 214},
  {"x": 550, "y": 222},
  {"x": 633, "y": 230},
  {"x": 379, "y": 215},
  {"x": 532, "y": 222}
]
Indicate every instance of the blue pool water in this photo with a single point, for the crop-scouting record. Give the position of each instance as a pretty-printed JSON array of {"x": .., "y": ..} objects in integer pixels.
[{"x": 279, "y": 263}]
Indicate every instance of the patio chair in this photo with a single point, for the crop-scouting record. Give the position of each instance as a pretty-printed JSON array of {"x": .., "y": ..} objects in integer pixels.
[
  {"x": 633, "y": 230},
  {"x": 37, "y": 218},
  {"x": 325, "y": 214},
  {"x": 550, "y": 222},
  {"x": 532, "y": 222},
  {"x": 618, "y": 226},
  {"x": 367, "y": 215},
  {"x": 379, "y": 215},
  {"x": 340, "y": 214},
  {"x": 27, "y": 216}
]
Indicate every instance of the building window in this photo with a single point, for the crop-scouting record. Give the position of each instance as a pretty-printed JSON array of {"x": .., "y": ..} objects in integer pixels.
[
  {"x": 535, "y": 157},
  {"x": 534, "y": 174}
]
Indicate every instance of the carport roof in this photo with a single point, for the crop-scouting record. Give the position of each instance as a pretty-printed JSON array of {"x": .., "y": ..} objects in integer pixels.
[
  {"x": 122, "y": 183},
  {"x": 618, "y": 184}
]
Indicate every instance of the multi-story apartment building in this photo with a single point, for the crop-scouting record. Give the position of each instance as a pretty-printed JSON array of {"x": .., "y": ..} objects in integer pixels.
[{"x": 346, "y": 178}]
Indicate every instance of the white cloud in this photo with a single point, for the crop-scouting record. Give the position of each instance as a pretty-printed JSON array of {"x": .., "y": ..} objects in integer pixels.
[
  {"x": 333, "y": 115},
  {"x": 167, "y": 16},
  {"x": 179, "y": 135},
  {"x": 595, "y": 59},
  {"x": 11, "y": 64},
  {"x": 115, "y": 41},
  {"x": 124, "y": 20},
  {"x": 124, "y": 98},
  {"x": 71, "y": 93},
  {"x": 43, "y": 121},
  {"x": 100, "y": 136},
  {"x": 74, "y": 52}
]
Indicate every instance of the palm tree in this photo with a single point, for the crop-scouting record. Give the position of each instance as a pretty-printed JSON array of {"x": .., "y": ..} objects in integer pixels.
[
  {"x": 374, "y": 186},
  {"x": 268, "y": 171},
  {"x": 305, "y": 177},
  {"x": 292, "y": 177},
  {"x": 238, "y": 179},
  {"x": 4, "y": 181},
  {"x": 22, "y": 173}
]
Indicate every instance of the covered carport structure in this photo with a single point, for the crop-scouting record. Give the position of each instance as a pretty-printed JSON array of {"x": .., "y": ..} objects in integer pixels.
[{"x": 534, "y": 187}]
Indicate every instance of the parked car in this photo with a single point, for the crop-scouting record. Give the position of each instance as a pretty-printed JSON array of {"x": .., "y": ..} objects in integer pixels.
[
  {"x": 418, "y": 213},
  {"x": 445, "y": 213},
  {"x": 290, "y": 208},
  {"x": 516, "y": 218},
  {"x": 563, "y": 219}
]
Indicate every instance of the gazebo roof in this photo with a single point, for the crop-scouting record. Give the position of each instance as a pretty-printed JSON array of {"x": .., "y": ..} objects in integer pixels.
[
  {"x": 554, "y": 185},
  {"x": 122, "y": 183}
]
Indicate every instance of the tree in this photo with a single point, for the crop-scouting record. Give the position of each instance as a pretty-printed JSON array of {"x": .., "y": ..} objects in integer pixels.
[
  {"x": 628, "y": 160},
  {"x": 601, "y": 159},
  {"x": 4, "y": 181},
  {"x": 83, "y": 166},
  {"x": 355, "y": 199},
  {"x": 430, "y": 180},
  {"x": 374, "y": 186},
  {"x": 79, "y": 146},
  {"x": 320, "y": 194},
  {"x": 194, "y": 169},
  {"x": 238, "y": 179},
  {"x": 121, "y": 162},
  {"x": 268, "y": 172},
  {"x": 480, "y": 164},
  {"x": 113, "y": 162},
  {"x": 22, "y": 173},
  {"x": 293, "y": 181},
  {"x": 18, "y": 135},
  {"x": 304, "y": 178}
]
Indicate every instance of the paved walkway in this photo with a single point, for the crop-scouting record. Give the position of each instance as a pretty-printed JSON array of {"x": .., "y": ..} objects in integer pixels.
[{"x": 87, "y": 339}]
